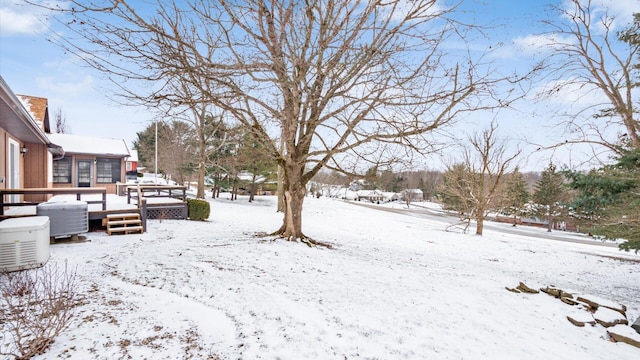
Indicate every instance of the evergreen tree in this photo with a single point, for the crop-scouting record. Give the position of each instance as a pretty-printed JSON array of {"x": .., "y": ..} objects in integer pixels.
[
  {"x": 372, "y": 178},
  {"x": 549, "y": 194},
  {"x": 608, "y": 200},
  {"x": 254, "y": 157},
  {"x": 516, "y": 195},
  {"x": 455, "y": 189}
]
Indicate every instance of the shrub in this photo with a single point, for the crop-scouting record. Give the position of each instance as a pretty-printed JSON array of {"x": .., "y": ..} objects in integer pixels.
[
  {"x": 35, "y": 306},
  {"x": 199, "y": 209}
]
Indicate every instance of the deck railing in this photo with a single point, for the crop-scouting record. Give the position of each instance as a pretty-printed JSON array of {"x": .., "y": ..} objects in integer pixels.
[
  {"x": 51, "y": 191},
  {"x": 136, "y": 192},
  {"x": 157, "y": 209}
]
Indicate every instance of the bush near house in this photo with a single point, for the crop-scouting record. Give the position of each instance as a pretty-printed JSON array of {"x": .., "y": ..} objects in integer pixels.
[{"x": 199, "y": 209}]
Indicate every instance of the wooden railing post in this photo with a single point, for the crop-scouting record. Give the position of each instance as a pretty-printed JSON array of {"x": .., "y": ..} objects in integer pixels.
[{"x": 142, "y": 204}]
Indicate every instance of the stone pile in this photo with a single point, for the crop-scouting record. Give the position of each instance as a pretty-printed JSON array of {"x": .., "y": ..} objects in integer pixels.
[{"x": 593, "y": 311}]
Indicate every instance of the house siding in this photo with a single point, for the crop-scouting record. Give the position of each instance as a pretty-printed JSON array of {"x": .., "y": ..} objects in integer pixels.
[
  {"x": 111, "y": 187},
  {"x": 3, "y": 158},
  {"x": 35, "y": 169}
]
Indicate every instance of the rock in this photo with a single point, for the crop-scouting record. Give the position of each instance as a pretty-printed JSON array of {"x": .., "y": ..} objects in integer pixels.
[
  {"x": 512, "y": 290},
  {"x": 569, "y": 301},
  {"x": 581, "y": 319},
  {"x": 625, "y": 334},
  {"x": 558, "y": 294},
  {"x": 592, "y": 306},
  {"x": 552, "y": 291},
  {"x": 525, "y": 289},
  {"x": 595, "y": 302},
  {"x": 608, "y": 317}
]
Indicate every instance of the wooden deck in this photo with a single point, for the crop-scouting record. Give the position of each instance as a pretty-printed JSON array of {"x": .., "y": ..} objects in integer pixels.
[
  {"x": 151, "y": 202},
  {"x": 78, "y": 192}
]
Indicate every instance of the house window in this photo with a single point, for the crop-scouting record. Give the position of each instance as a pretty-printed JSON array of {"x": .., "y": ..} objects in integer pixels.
[
  {"x": 108, "y": 170},
  {"x": 62, "y": 171}
]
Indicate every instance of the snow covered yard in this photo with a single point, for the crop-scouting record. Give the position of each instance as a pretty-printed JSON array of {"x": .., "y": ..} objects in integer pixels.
[{"x": 392, "y": 287}]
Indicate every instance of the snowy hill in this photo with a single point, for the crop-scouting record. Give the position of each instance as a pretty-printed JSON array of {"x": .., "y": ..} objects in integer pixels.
[{"x": 392, "y": 287}]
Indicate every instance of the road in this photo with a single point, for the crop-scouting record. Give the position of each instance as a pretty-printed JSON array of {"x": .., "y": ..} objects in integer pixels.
[{"x": 448, "y": 219}]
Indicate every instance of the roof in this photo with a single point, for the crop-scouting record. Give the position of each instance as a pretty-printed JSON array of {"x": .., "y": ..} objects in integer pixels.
[
  {"x": 78, "y": 144},
  {"x": 370, "y": 193},
  {"x": 133, "y": 155},
  {"x": 413, "y": 191},
  {"x": 37, "y": 108},
  {"x": 16, "y": 120},
  {"x": 247, "y": 176}
]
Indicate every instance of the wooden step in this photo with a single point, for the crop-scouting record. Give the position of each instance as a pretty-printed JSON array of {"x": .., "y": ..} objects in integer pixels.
[
  {"x": 126, "y": 230},
  {"x": 124, "y": 222},
  {"x": 123, "y": 216}
]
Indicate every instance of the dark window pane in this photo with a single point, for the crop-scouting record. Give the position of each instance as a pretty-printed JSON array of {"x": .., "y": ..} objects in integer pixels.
[
  {"x": 62, "y": 171},
  {"x": 108, "y": 170}
]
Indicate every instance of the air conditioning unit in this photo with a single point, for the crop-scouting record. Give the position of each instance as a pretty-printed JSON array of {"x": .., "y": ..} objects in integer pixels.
[
  {"x": 67, "y": 217},
  {"x": 24, "y": 243}
]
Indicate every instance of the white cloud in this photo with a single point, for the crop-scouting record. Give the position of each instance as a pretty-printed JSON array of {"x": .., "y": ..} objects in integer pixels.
[
  {"x": 570, "y": 93},
  {"x": 26, "y": 19},
  {"x": 19, "y": 20},
  {"x": 52, "y": 86},
  {"x": 621, "y": 11},
  {"x": 533, "y": 44}
]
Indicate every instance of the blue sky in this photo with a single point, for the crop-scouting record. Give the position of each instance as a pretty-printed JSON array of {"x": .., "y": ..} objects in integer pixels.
[{"x": 33, "y": 66}]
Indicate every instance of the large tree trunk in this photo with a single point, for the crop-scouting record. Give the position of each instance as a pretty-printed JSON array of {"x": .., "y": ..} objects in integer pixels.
[
  {"x": 252, "y": 187},
  {"x": 294, "y": 194},
  {"x": 202, "y": 164},
  {"x": 201, "y": 173},
  {"x": 479, "y": 225},
  {"x": 280, "y": 190}
]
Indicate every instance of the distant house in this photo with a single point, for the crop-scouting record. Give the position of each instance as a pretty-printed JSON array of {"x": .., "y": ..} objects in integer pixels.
[
  {"x": 89, "y": 162},
  {"x": 341, "y": 192},
  {"x": 131, "y": 166},
  {"x": 390, "y": 196},
  {"x": 412, "y": 195},
  {"x": 375, "y": 196},
  {"x": 25, "y": 150}
]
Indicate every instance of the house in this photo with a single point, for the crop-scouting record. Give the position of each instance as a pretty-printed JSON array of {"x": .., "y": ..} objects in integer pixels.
[
  {"x": 25, "y": 150},
  {"x": 131, "y": 166},
  {"x": 89, "y": 162},
  {"x": 410, "y": 195},
  {"x": 390, "y": 196},
  {"x": 374, "y": 196}
]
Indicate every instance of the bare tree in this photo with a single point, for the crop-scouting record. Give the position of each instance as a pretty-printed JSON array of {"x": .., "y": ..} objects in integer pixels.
[
  {"x": 176, "y": 149},
  {"x": 60, "y": 122},
  {"x": 475, "y": 184},
  {"x": 591, "y": 57},
  {"x": 334, "y": 79}
]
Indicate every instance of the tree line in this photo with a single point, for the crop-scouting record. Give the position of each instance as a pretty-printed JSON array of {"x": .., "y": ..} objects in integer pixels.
[{"x": 230, "y": 151}]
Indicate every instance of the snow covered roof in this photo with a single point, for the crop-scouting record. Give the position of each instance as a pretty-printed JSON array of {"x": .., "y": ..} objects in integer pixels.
[
  {"x": 37, "y": 107},
  {"x": 370, "y": 193},
  {"x": 247, "y": 176},
  {"x": 77, "y": 144},
  {"x": 413, "y": 191},
  {"x": 133, "y": 155}
]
